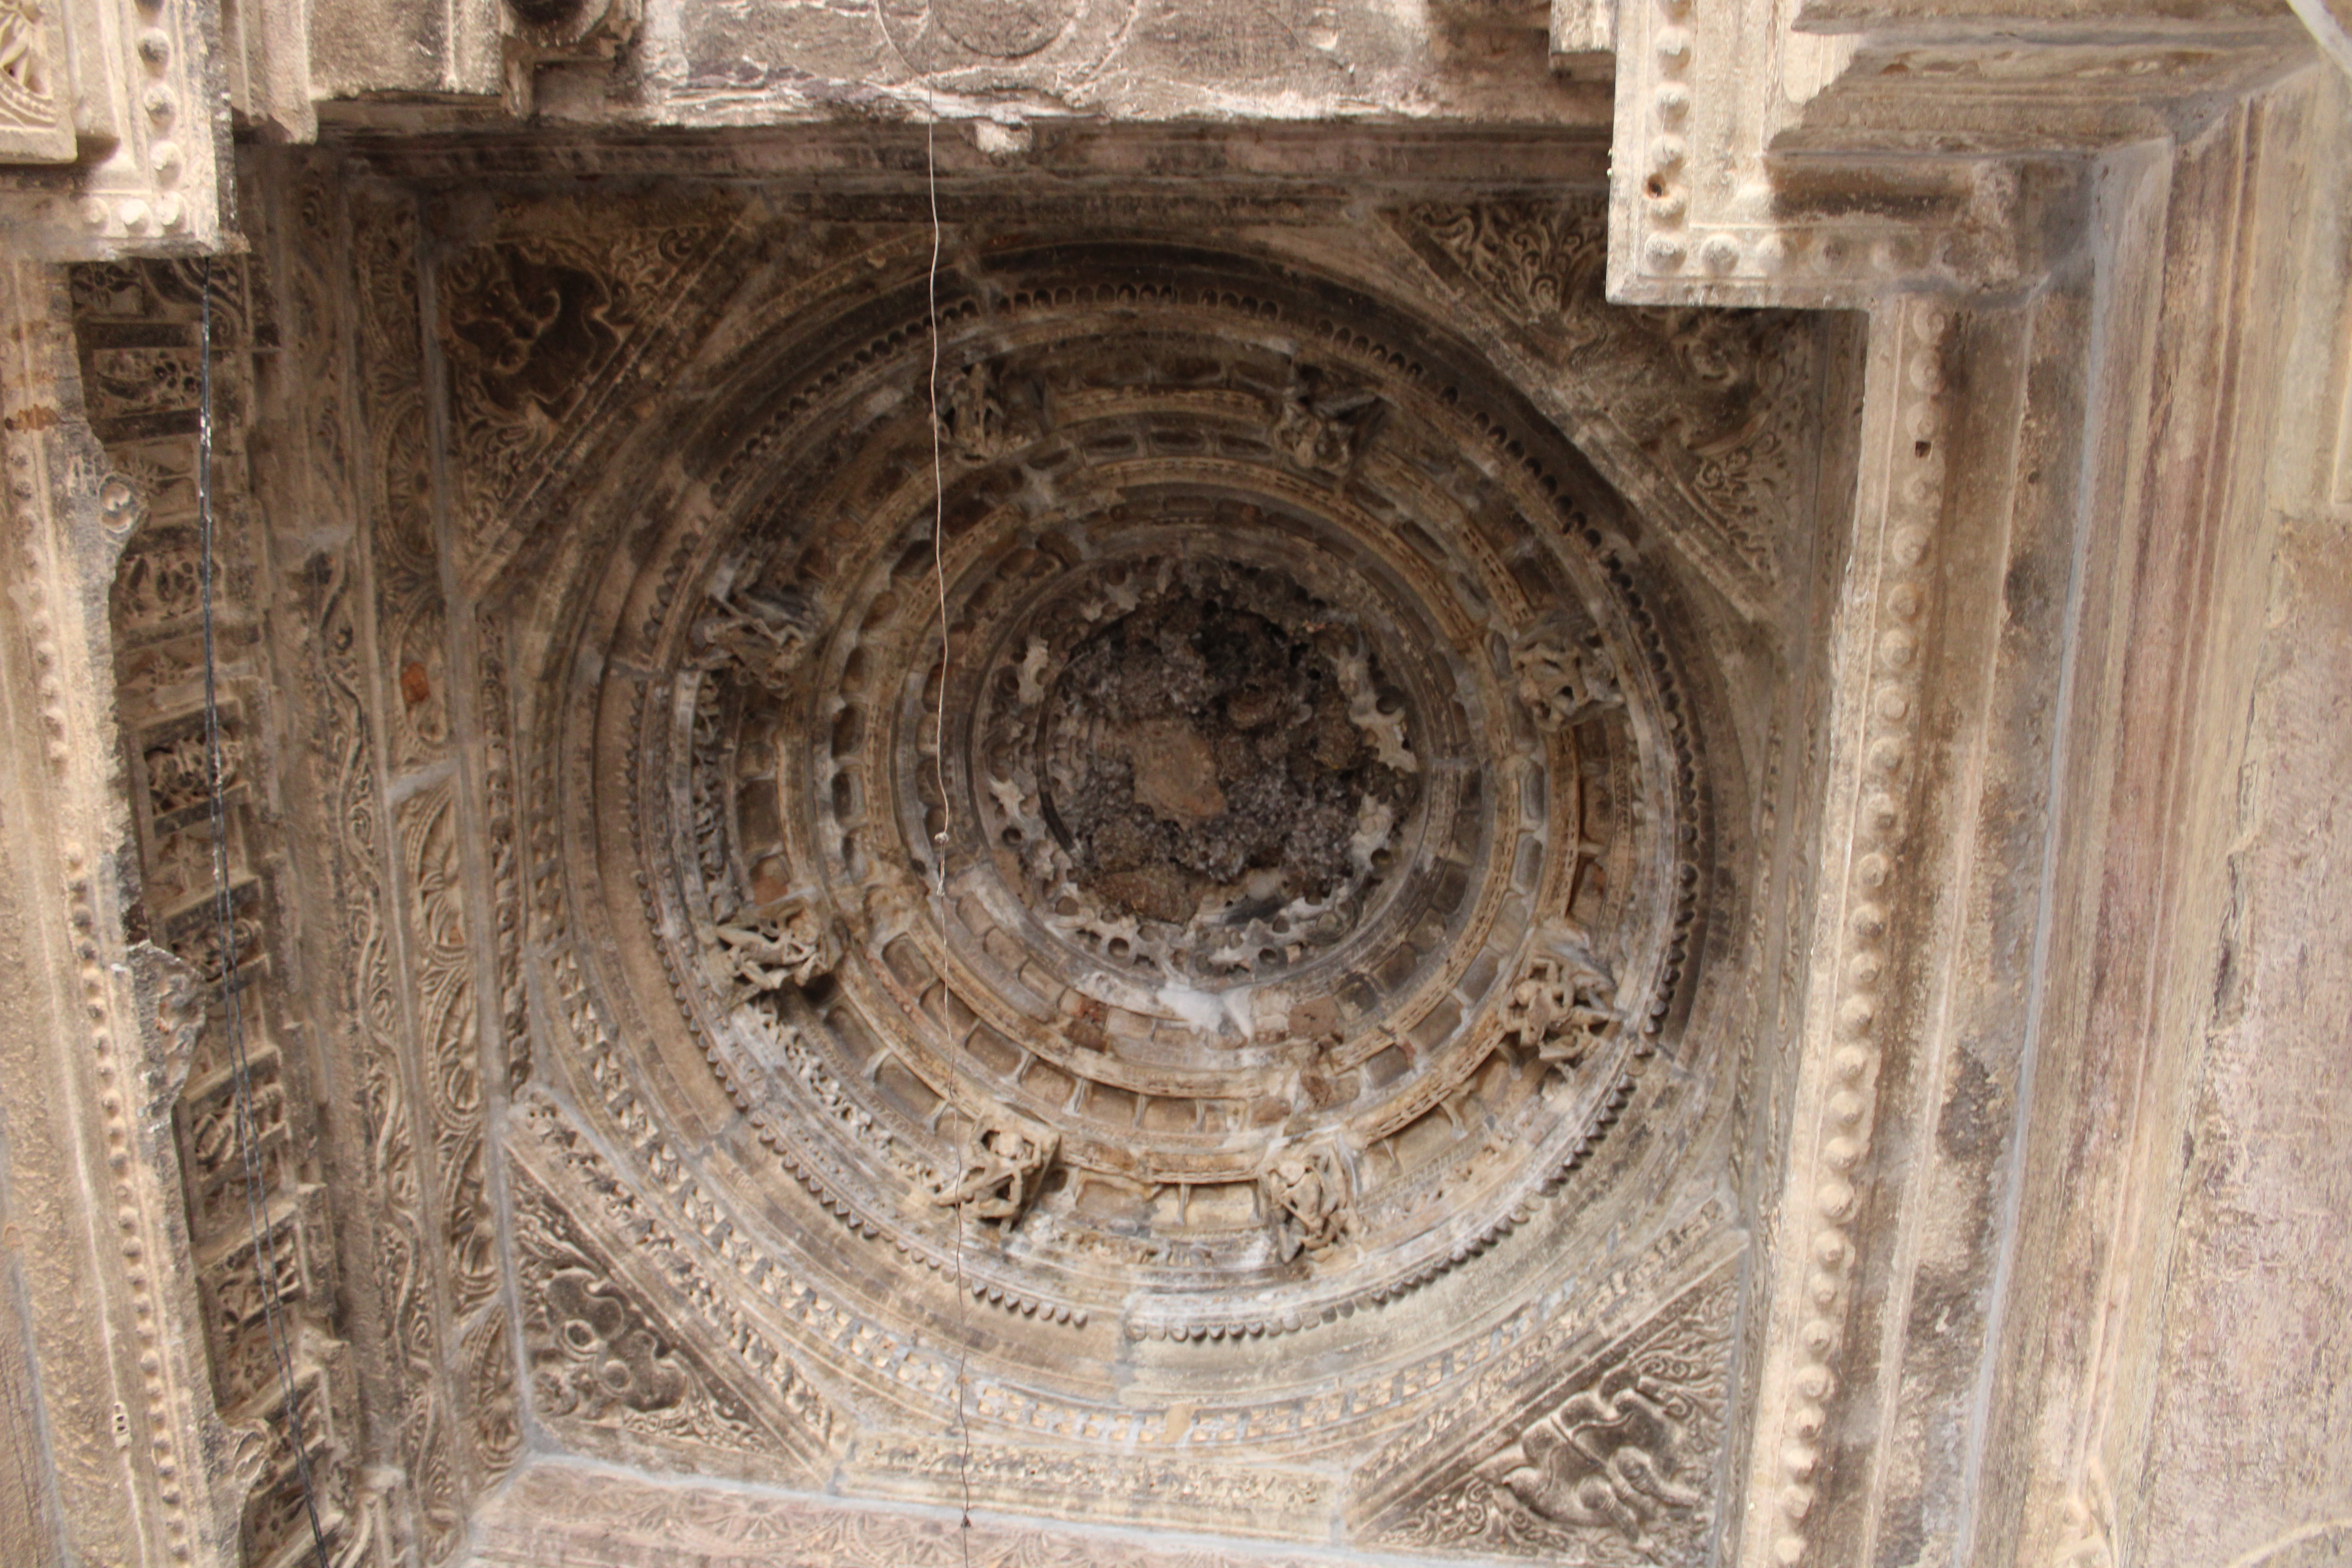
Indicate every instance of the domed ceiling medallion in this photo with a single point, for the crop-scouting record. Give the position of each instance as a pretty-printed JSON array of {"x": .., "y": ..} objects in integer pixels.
[{"x": 1272, "y": 888}]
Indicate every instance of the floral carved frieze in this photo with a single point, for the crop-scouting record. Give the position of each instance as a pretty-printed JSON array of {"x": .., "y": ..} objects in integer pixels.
[
  {"x": 538, "y": 326},
  {"x": 605, "y": 1367},
  {"x": 1714, "y": 401},
  {"x": 1610, "y": 1461}
]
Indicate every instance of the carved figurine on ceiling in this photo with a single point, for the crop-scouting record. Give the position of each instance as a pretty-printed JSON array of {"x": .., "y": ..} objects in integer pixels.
[
  {"x": 179, "y": 772},
  {"x": 765, "y": 950},
  {"x": 1003, "y": 1168},
  {"x": 971, "y": 419},
  {"x": 1306, "y": 1196},
  {"x": 764, "y": 633},
  {"x": 1603, "y": 1459},
  {"x": 1562, "y": 679},
  {"x": 1320, "y": 426},
  {"x": 1564, "y": 1004},
  {"x": 981, "y": 419}
]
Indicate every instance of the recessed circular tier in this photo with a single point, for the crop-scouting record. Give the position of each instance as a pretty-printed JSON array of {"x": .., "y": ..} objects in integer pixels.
[{"x": 1209, "y": 866}]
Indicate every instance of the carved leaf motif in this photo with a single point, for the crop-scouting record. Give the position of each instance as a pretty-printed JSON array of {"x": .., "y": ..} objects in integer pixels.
[
  {"x": 1610, "y": 1469},
  {"x": 535, "y": 327},
  {"x": 525, "y": 328},
  {"x": 1715, "y": 395},
  {"x": 597, "y": 1356}
]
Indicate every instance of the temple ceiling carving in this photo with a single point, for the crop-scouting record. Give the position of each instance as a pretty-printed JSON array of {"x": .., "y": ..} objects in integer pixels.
[
  {"x": 1149, "y": 906},
  {"x": 1190, "y": 940},
  {"x": 949, "y": 781}
]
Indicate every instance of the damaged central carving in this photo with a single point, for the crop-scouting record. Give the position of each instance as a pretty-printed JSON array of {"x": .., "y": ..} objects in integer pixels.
[{"x": 1222, "y": 758}]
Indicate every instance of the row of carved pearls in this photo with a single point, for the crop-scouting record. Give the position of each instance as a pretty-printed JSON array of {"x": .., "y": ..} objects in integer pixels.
[
  {"x": 1892, "y": 719},
  {"x": 1670, "y": 248},
  {"x": 1665, "y": 182},
  {"x": 97, "y": 1000},
  {"x": 166, "y": 210}
]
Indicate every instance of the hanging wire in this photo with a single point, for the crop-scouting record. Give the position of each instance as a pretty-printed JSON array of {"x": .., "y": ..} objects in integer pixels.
[
  {"x": 940, "y": 839},
  {"x": 225, "y": 931}
]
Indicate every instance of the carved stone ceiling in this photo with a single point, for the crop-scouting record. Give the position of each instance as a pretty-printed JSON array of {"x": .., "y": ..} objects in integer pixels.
[
  {"x": 1192, "y": 971},
  {"x": 1129, "y": 882},
  {"x": 948, "y": 782}
]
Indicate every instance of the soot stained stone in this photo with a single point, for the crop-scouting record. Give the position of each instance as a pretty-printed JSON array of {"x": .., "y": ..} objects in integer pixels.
[{"x": 1223, "y": 759}]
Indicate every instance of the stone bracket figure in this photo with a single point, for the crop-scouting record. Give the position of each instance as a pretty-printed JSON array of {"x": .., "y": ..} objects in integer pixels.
[
  {"x": 980, "y": 421},
  {"x": 1564, "y": 1004},
  {"x": 1321, "y": 426},
  {"x": 972, "y": 420},
  {"x": 1563, "y": 679},
  {"x": 1306, "y": 1196},
  {"x": 1003, "y": 1169},
  {"x": 765, "y": 633},
  {"x": 763, "y": 950}
]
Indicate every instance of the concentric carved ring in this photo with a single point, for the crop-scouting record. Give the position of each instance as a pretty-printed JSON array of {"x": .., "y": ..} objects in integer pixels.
[{"x": 1223, "y": 875}]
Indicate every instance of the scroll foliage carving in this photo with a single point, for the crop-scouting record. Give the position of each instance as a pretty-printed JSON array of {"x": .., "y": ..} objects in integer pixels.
[
  {"x": 538, "y": 325},
  {"x": 598, "y": 1357},
  {"x": 1717, "y": 395},
  {"x": 501, "y": 829},
  {"x": 442, "y": 983},
  {"x": 1611, "y": 1469}
]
